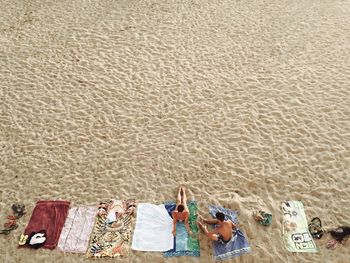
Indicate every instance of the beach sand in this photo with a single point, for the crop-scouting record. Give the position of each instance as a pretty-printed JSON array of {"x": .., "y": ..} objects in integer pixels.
[{"x": 246, "y": 103}]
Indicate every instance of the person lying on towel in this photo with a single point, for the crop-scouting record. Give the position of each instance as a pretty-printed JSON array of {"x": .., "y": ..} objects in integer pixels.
[
  {"x": 223, "y": 228},
  {"x": 181, "y": 212}
]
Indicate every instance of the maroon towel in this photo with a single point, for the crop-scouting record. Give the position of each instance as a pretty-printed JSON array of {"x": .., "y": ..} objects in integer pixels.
[{"x": 49, "y": 216}]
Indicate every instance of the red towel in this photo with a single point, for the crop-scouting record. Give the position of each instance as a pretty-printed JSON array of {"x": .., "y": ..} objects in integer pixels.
[{"x": 49, "y": 216}]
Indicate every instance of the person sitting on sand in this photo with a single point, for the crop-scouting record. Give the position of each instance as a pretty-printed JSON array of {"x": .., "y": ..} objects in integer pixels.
[
  {"x": 223, "y": 230},
  {"x": 181, "y": 212}
]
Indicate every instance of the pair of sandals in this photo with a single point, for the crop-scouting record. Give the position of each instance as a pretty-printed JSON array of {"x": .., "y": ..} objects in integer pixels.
[
  {"x": 17, "y": 211},
  {"x": 34, "y": 240},
  {"x": 316, "y": 230}
]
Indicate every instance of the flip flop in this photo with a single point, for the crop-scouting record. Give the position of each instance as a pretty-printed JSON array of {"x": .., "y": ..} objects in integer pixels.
[
  {"x": 18, "y": 210},
  {"x": 22, "y": 240},
  {"x": 315, "y": 228},
  {"x": 332, "y": 244},
  {"x": 11, "y": 225},
  {"x": 5, "y": 231}
]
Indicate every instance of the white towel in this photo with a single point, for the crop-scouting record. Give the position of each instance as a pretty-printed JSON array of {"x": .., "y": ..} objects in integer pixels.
[{"x": 153, "y": 230}]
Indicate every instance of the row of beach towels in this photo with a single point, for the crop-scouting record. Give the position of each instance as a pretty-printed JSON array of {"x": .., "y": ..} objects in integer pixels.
[{"x": 106, "y": 230}]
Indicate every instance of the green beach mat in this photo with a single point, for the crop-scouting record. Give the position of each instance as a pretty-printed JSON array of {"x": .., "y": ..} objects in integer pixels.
[{"x": 184, "y": 244}]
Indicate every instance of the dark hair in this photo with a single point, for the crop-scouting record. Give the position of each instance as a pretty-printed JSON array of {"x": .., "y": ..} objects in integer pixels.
[
  {"x": 180, "y": 208},
  {"x": 341, "y": 233},
  {"x": 220, "y": 216}
]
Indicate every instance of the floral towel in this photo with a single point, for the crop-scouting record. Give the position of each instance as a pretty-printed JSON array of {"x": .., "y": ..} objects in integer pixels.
[{"x": 112, "y": 232}]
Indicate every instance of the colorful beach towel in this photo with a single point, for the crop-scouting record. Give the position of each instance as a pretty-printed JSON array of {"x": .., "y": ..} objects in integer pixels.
[
  {"x": 48, "y": 217},
  {"x": 153, "y": 230},
  {"x": 238, "y": 245},
  {"x": 112, "y": 232},
  {"x": 296, "y": 234},
  {"x": 77, "y": 229},
  {"x": 184, "y": 245}
]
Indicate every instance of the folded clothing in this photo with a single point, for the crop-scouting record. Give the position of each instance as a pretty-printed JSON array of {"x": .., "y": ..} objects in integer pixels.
[{"x": 262, "y": 217}]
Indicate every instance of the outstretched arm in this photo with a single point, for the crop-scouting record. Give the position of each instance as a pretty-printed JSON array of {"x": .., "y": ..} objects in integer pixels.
[
  {"x": 212, "y": 234},
  {"x": 174, "y": 226},
  {"x": 210, "y": 221}
]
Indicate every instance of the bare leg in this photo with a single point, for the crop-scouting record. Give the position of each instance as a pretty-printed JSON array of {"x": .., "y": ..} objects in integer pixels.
[
  {"x": 178, "y": 199},
  {"x": 184, "y": 199}
]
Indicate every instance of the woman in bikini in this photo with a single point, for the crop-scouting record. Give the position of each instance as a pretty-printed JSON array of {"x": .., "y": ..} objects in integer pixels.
[{"x": 181, "y": 212}]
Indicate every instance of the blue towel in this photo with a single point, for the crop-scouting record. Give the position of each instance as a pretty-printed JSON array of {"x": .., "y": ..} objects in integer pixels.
[
  {"x": 184, "y": 245},
  {"x": 238, "y": 245}
]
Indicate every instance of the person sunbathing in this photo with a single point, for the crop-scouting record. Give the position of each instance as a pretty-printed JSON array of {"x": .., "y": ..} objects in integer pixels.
[
  {"x": 181, "y": 212},
  {"x": 223, "y": 230}
]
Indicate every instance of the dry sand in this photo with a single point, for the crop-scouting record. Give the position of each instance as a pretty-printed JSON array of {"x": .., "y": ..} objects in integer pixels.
[{"x": 244, "y": 102}]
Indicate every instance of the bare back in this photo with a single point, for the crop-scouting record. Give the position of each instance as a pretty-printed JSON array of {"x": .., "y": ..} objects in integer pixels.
[{"x": 225, "y": 229}]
